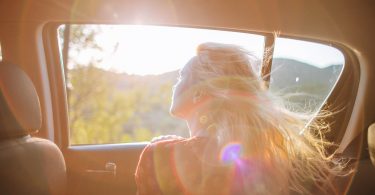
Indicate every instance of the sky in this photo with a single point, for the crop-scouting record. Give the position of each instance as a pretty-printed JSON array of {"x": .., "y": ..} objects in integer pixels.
[{"x": 144, "y": 50}]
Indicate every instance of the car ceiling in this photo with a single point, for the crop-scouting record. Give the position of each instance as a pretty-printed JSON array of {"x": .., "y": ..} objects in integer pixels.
[{"x": 346, "y": 22}]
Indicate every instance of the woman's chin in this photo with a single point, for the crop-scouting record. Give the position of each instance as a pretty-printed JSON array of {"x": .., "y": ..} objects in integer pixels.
[
  {"x": 172, "y": 112},
  {"x": 176, "y": 113}
]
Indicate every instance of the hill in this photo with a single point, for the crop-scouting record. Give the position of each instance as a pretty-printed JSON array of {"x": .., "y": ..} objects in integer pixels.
[
  {"x": 288, "y": 76},
  {"x": 136, "y": 108}
]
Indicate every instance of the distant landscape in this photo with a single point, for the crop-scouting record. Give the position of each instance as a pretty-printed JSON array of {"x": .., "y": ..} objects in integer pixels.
[
  {"x": 302, "y": 85},
  {"x": 107, "y": 107}
]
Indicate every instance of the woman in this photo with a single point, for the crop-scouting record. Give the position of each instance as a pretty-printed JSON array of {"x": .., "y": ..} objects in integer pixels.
[{"x": 242, "y": 141}]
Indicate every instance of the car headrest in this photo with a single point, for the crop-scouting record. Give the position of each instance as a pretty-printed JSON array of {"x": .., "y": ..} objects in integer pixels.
[{"x": 20, "y": 112}]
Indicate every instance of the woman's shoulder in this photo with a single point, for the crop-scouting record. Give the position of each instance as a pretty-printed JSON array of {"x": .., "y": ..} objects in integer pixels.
[
  {"x": 159, "y": 146},
  {"x": 169, "y": 138},
  {"x": 163, "y": 142},
  {"x": 167, "y": 142}
]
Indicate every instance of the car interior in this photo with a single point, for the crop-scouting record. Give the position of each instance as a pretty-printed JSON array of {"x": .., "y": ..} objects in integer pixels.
[{"x": 53, "y": 142}]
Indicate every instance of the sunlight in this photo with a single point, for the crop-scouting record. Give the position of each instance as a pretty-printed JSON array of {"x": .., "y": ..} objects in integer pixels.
[
  {"x": 143, "y": 50},
  {"x": 128, "y": 53},
  {"x": 153, "y": 50}
]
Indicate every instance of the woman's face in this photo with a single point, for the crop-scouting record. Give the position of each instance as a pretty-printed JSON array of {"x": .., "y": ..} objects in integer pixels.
[{"x": 182, "y": 98}]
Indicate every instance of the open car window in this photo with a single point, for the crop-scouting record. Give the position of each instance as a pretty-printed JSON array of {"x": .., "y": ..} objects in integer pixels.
[
  {"x": 119, "y": 77},
  {"x": 304, "y": 73}
]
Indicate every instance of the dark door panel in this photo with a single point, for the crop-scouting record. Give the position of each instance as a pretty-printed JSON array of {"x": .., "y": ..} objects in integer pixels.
[{"x": 102, "y": 169}]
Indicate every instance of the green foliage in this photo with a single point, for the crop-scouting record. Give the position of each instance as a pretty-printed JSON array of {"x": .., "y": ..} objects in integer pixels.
[
  {"x": 96, "y": 110},
  {"x": 101, "y": 110},
  {"x": 106, "y": 108}
]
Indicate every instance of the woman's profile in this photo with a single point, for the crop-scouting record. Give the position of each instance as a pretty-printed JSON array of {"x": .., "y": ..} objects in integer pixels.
[{"x": 242, "y": 139}]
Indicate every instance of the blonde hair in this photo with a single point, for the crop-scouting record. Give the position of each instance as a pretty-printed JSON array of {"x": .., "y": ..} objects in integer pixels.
[{"x": 289, "y": 147}]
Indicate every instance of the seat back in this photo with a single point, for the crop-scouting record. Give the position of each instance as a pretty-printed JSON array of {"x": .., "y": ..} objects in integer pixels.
[{"x": 28, "y": 165}]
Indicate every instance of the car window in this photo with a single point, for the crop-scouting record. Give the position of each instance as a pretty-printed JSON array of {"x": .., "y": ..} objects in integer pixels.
[
  {"x": 119, "y": 78},
  {"x": 304, "y": 73}
]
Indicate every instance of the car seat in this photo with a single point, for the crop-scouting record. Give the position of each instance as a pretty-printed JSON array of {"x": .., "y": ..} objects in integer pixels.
[{"x": 28, "y": 165}]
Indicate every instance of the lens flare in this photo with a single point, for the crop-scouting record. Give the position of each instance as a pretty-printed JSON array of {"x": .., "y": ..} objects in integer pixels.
[{"x": 231, "y": 153}]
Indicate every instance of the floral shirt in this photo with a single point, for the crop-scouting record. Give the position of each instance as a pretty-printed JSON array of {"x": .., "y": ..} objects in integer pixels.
[{"x": 181, "y": 166}]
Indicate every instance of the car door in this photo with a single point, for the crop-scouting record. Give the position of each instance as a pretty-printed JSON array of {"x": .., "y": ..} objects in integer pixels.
[{"x": 104, "y": 117}]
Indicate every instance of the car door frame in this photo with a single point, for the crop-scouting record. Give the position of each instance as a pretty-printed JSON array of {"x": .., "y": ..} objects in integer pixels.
[{"x": 86, "y": 164}]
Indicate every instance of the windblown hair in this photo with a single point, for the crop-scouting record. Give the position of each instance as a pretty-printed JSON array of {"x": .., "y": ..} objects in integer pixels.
[{"x": 290, "y": 149}]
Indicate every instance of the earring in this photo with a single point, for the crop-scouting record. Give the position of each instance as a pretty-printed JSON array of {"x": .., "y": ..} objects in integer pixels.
[{"x": 203, "y": 119}]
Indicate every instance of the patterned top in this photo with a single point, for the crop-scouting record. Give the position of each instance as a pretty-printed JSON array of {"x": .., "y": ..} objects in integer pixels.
[{"x": 184, "y": 166}]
